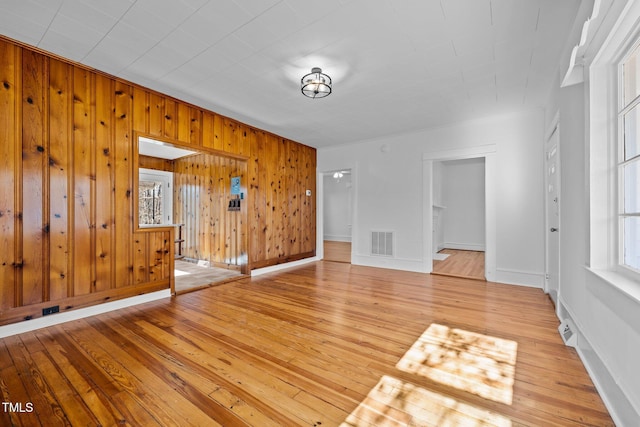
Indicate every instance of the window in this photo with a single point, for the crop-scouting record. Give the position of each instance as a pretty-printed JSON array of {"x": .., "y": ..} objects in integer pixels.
[
  {"x": 629, "y": 161},
  {"x": 155, "y": 202}
]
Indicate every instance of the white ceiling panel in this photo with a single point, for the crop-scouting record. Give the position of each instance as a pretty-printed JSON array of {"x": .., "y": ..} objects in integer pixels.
[
  {"x": 89, "y": 15},
  {"x": 114, "y": 8},
  {"x": 397, "y": 66},
  {"x": 21, "y": 28}
]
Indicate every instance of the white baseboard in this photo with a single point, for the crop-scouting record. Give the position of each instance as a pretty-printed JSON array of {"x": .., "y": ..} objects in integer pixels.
[
  {"x": 464, "y": 246},
  {"x": 335, "y": 238},
  {"x": 81, "y": 313},
  {"x": 278, "y": 267},
  {"x": 522, "y": 278},
  {"x": 620, "y": 408},
  {"x": 416, "y": 265}
]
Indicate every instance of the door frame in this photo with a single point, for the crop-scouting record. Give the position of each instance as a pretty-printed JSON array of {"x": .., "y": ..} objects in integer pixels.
[
  {"x": 488, "y": 152},
  {"x": 553, "y": 129},
  {"x": 320, "y": 208}
]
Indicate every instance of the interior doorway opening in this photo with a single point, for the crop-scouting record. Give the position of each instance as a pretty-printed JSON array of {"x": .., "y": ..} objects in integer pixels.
[
  {"x": 431, "y": 203},
  {"x": 459, "y": 218},
  {"x": 337, "y": 214},
  {"x": 194, "y": 192}
]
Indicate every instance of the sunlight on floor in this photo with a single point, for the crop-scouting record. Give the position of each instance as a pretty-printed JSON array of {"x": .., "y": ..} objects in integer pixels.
[
  {"x": 472, "y": 362},
  {"x": 395, "y": 403},
  {"x": 178, "y": 273}
]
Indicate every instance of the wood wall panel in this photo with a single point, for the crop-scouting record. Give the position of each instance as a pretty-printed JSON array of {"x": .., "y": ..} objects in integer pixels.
[
  {"x": 83, "y": 148},
  {"x": 60, "y": 153},
  {"x": 156, "y": 163},
  {"x": 124, "y": 193},
  {"x": 102, "y": 186},
  {"x": 67, "y": 199},
  {"x": 156, "y": 115},
  {"x": 141, "y": 110},
  {"x": 34, "y": 179},
  {"x": 10, "y": 58}
]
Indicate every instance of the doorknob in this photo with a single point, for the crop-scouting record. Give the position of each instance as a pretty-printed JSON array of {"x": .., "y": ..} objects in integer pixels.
[{"x": 553, "y": 229}]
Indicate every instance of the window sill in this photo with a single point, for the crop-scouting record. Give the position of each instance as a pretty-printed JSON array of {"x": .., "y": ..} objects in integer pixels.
[{"x": 623, "y": 283}]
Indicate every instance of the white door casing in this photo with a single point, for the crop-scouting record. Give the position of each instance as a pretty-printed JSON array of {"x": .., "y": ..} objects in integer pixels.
[
  {"x": 489, "y": 154},
  {"x": 552, "y": 214}
]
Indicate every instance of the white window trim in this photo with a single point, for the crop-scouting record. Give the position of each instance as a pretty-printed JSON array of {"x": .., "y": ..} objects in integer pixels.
[
  {"x": 603, "y": 142},
  {"x": 621, "y": 111},
  {"x": 166, "y": 178}
]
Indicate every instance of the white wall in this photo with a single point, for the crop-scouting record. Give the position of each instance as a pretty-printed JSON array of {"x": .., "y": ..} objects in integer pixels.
[
  {"x": 463, "y": 196},
  {"x": 606, "y": 317},
  {"x": 608, "y": 321},
  {"x": 336, "y": 211},
  {"x": 389, "y": 191}
]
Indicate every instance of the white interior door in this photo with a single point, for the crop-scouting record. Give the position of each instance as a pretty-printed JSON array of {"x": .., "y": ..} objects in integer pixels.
[{"x": 552, "y": 216}]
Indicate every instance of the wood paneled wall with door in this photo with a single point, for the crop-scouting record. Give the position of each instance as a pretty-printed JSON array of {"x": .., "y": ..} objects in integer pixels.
[{"x": 67, "y": 166}]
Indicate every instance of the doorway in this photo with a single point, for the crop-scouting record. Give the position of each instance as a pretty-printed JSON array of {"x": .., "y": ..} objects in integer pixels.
[
  {"x": 431, "y": 202},
  {"x": 552, "y": 214},
  {"x": 191, "y": 191},
  {"x": 459, "y": 218},
  {"x": 337, "y": 215}
]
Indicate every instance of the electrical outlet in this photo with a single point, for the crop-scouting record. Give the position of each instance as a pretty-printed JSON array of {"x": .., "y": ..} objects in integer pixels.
[{"x": 50, "y": 310}]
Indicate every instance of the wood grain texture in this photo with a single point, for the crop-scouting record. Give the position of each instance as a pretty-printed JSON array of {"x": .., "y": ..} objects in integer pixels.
[
  {"x": 69, "y": 167},
  {"x": 337, "y": 251},
  {"x": 60, "y": 154},
  {"x": 10, "y": 130},
  {"x": 319, "y": 345},
  {"x": 460, "y": 263},
  {"x": 34, "y": 197}
]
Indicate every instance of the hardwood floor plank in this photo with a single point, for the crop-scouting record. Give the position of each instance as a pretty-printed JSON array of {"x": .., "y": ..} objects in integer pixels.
[
  {"x": 149, "y": 392},
  {"x": 92, "y": 396},
  {"x": 45, "y": 405},
  {"x": 337, "y": 251},
  {"x": 326, "y": 344},
  {"x": 460, "y": 263},
  {"x": 70, "y": 403}
]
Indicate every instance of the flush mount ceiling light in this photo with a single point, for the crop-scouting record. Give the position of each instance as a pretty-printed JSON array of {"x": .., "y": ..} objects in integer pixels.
[{"x": 316, "y": 84}]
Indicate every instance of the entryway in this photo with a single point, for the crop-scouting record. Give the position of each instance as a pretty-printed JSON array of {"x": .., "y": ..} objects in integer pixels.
[
  {"x": 337, "y": 215},
  {"x": 459, "y": 218},
  {"x": 434, "y": 207},
  {"x": 202, "y": 196}
]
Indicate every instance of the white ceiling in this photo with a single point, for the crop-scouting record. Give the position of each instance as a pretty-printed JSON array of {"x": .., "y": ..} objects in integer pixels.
[{"x": 397, "y": 65}]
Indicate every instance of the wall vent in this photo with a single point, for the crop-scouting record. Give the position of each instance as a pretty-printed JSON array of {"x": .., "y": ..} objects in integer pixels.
[
  {"x": 568, "y": 333},
  {"x": 382, "y": 243}
]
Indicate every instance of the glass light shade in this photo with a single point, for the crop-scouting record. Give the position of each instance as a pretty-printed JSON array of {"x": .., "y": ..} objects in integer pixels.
[{"x": 316, "y": 84}]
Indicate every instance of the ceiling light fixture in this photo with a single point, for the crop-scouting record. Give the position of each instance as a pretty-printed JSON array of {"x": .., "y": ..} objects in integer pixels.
[{"x": 316, "y": 84}]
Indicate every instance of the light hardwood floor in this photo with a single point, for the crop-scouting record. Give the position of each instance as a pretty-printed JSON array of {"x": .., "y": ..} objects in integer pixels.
[
  {"x": 459, "y": 263},
  {"x": 190, "y": 276},
  {"x": 337, "y": 251},
  {"x": 321, "y": 345}
]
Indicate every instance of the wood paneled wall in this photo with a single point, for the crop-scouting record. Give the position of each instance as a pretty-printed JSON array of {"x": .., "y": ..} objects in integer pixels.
[{"x": 67, "y": 166}]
